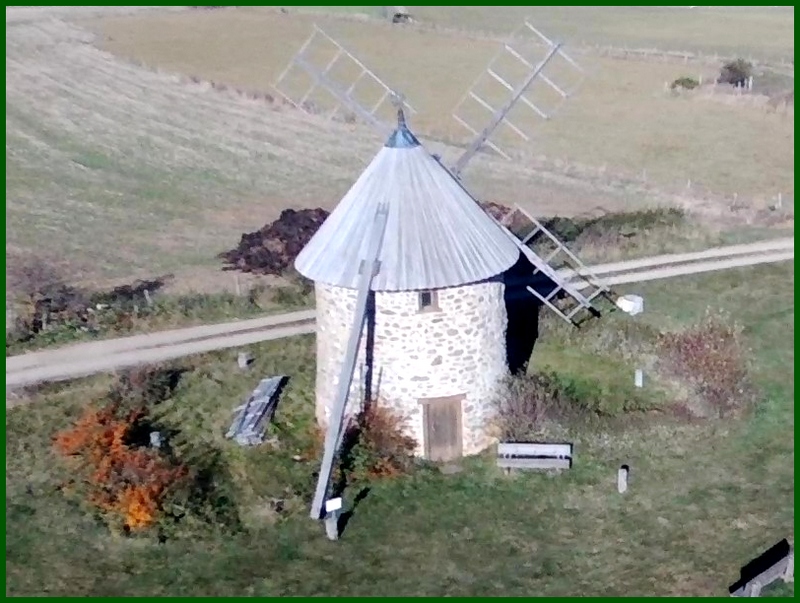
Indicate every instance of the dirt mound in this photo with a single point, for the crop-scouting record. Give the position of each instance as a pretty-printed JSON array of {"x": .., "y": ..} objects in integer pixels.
[{"x": 273, "y": 249}]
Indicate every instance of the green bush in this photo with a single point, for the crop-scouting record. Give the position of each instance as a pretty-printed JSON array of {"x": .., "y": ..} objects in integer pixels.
[
  {"x": 533, "y": 402},
  {"x": 687, "y": 83},
  {"x": 735, "y": 72},
  {"x": 376, "y": 446},
  {"x": 615, "y": 224}
]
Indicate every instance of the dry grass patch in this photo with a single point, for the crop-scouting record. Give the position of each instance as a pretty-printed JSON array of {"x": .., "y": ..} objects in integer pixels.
[{"x": 620, "y": 118}]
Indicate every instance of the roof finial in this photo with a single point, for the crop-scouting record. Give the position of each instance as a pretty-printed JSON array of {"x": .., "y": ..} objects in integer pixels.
[{"x": 398, "y": 100}]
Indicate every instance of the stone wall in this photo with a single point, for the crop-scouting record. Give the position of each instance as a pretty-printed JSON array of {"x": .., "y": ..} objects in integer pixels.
[{"x": 458, "y": 349}]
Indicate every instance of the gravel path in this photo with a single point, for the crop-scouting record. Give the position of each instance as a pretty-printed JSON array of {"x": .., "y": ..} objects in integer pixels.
[{"x": 101, "y": 356}]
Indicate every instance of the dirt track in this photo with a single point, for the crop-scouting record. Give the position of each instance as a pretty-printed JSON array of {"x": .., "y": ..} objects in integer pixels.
[{"x": 89, "y": 358}]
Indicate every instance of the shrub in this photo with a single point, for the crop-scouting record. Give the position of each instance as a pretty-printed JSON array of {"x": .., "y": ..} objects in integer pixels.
[
  {"x": 61, "y": 313},
  {"x": 711, "y": 359},
  {"x": 128, "y": 484},
  {"x": 687, "y": 83},
  {"x": 735, "y": 72},
  {"x": 614, "y": 224},
  {"x": 528, "y": 403},
  {"x": 132, "y": 486},
  {"x": 533, "y": 403},
  {"x": 142, "y": 388},
  {"x": 376, "y": 446},
  {"x": 297, "y": 294}
]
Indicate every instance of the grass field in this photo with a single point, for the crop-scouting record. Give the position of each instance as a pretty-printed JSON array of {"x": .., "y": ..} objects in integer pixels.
[
  {"x": 130, "y": 172},
  {"x": 763, "y": 33},
  {"x": 704, "y": 496},
  {"x": 620, "y": 118}
]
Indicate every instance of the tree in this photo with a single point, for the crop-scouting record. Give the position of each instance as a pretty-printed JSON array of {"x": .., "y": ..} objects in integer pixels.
[{"x": 736, "y": 72}]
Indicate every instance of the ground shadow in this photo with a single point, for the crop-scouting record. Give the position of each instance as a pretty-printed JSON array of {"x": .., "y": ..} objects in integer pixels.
[
  {"x": 523, "y": 309},
  {"x": 345, "y": 517},
  {"x": 369, "y": 348}
]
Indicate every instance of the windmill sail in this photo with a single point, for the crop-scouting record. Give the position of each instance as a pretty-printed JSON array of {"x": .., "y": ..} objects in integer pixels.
[
  {"x": 368, "y": 270},
  {"x": 492, "y": 88},
  {"x": 337, "y": 80},
  {"x": 502, "y": 112},
  {"x": 570, "y": 277}
]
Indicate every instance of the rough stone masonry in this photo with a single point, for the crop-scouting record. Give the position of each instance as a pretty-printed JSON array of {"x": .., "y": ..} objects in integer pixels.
[{"x": 456, "y": 348}]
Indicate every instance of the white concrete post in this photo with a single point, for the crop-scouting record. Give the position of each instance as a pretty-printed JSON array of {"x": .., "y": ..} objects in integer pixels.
[
  {"x": 622, "y": 479},
  {"x": 333, "y": 509}
]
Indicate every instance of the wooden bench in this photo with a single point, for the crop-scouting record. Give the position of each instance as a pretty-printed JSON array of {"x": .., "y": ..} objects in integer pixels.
[
  {"x": 777, "y": 563},
  {"x": 531, "y": 456}
]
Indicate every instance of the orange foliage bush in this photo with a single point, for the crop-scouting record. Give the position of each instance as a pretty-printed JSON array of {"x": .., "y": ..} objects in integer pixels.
[
  {"x": 381, "y": 448},
  {"x": 125, "y": 481}
]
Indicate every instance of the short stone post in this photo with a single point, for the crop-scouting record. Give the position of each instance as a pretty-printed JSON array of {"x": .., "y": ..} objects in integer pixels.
[{"x": 244, "y": 360}]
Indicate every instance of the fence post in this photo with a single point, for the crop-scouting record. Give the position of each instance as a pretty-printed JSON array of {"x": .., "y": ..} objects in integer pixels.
[{"x": 622, "y": 479}]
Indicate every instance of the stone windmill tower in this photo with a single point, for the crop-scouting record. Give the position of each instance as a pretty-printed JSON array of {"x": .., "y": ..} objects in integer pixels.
[{"x": 434, "y": 347}]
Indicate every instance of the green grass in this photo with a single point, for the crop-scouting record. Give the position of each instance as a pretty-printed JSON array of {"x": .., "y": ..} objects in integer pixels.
[{"x": 704, "y": 498}]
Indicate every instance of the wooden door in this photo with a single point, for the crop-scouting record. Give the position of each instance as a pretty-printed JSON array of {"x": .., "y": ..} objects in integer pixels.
[{"x": 442, "y": 417}]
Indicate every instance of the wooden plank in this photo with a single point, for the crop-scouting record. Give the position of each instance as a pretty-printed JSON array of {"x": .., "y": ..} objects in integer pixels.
[
  {"x": 534, "y": 449},
  {"x": 531, "y": 463},
  {"x": 336, "y": 418},
  {"x": 765, "y": 578}
]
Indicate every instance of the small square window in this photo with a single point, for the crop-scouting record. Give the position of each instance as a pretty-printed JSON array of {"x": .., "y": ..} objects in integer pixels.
[{"x": 428, "y": 301}]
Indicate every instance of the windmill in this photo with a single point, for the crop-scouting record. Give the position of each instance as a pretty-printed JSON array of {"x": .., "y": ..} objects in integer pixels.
[
  {"x": 534, "y": 90},
  {"x": 422, "y": 248},
  {"x": 515, "y": 61},
  {"x": 514, "y": 234}
]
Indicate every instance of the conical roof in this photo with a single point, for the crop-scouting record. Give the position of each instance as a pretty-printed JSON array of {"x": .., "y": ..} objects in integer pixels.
[{"x": 436, "y": 233}]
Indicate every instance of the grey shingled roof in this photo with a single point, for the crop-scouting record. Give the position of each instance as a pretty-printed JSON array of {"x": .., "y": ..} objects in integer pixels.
[{"x": 436, "y": 235}]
